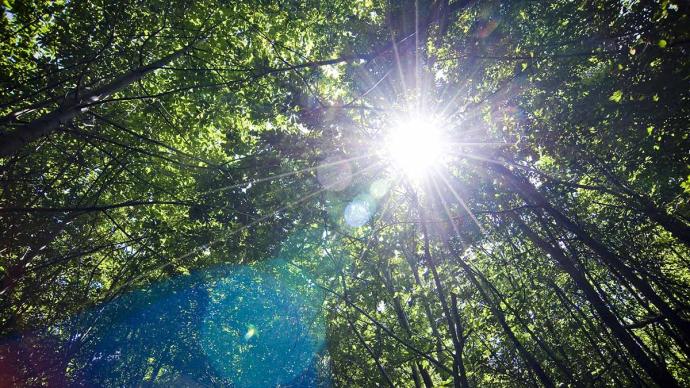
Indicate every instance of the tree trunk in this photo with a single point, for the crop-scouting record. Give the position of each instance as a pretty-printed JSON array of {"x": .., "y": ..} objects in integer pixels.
[
  {"x": 12, "y": 142},
  {"x": 658, "y": 373},
  {"x": 457, "y": 359},
  {"x": 530, "y": 194},
  {"x": 461, "y": 339},
  {"x": 417, "y": 368},
  {"x": 427, "y": 311},
  {"x": 673, "y": 225},
  {"x": 532, "y": 362}
]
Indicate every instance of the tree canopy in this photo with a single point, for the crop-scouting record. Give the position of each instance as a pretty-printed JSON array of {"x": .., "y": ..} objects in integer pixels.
[{"x": 289, "y": 193}]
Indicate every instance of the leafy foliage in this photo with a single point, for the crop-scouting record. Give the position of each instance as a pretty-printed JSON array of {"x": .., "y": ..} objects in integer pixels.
[{"x": 195, "y": 193}]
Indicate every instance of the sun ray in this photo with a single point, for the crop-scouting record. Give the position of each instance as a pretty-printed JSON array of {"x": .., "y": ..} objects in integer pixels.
[
  {"x": 482, "y": 158},
  {"x": 450, "y": 217},
  {"x": 456, "y": 95},
  {"x": 208, "y": 245},
  {"x": 374, "y": 86},
  {"x": 461, "y": 201},
  {"x": 488, "y": 143},
  {"x": 417, "y": 65},
  {"x": 396, "y": 53},
  {"x": 287, "y": 174}
]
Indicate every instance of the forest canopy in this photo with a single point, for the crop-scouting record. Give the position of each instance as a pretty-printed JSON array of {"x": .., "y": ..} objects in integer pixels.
[{"x": 302, "y": 193}]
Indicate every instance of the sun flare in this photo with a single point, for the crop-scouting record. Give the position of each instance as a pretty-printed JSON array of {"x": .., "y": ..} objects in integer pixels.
[{"x": 414, "y": 146}]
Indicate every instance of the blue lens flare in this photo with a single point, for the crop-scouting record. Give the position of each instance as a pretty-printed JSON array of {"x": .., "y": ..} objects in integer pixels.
[
  {"x": 240, "y": 326},
  {"x": 267, "y": 327}
]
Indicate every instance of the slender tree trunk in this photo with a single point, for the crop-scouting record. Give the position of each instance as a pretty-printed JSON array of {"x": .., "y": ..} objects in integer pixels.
[
  {"x": 427, "y": 311},
  {"x": 673, "y": 225},
  {"x": 567, "y": 373},
  {"x": 459, "y": 328},
  {"x": 532, "y": 362},
  {"x": 440, "y": 291},
  {"x": 417, "y": 368},
  {"x": 585, "y": 323},
  {"x": 612, "y": 260},
  {"x": 678, "y": 229},
  {"x": 656, "y": 372},
  {"x": 386, "y": 330},
  {"x": 380, "y": 367},
  {"x": 12, "y": 142}
]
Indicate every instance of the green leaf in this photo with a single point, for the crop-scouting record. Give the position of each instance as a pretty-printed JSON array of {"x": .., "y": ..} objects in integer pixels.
[{"x": 617, "y": 96}]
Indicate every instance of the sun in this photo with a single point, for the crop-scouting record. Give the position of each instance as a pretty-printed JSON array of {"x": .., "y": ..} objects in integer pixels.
[{"x": 413, "y": 146}]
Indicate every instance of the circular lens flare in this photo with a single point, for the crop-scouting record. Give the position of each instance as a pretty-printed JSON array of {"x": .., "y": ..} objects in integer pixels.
[{"x": 414, "y": 146}]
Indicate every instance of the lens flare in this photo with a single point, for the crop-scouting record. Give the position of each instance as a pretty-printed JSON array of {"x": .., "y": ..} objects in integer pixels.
[
  {"x": 359, "y": 211},
  {"x": 233, "y": 326}
]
